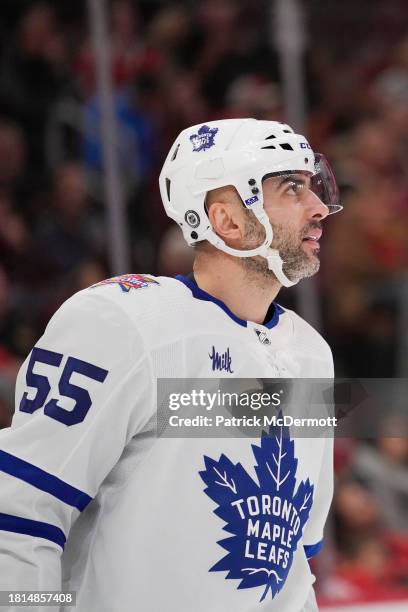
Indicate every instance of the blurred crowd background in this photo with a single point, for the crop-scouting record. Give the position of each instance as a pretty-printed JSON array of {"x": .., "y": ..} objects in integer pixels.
[{"x": 180, "y": 63}]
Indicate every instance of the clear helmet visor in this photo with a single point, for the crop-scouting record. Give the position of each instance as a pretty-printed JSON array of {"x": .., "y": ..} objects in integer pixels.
[{"x": 322, "y": 183}]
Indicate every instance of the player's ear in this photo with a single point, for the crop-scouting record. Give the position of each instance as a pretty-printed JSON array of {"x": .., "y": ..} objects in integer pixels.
[{"x": 227, "y": 221}]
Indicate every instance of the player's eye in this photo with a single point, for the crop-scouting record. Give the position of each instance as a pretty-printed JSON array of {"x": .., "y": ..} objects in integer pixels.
[{"x": 294, "y": 186}]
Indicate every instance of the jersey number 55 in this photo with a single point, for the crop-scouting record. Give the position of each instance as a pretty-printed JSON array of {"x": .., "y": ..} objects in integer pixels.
[{"x": 41, "y": 383}]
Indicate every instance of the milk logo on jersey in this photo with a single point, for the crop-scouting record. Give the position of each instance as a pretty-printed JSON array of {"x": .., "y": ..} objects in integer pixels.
[
  {"x": 204, "y": 139},
  {"x": 128, "y": 282},
  {"x": 221, "y": 361},
  {"x": 266, "y": 518}
]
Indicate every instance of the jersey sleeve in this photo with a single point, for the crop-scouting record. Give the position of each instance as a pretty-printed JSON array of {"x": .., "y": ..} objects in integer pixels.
[
  {"x": 313, "y": 535},
  {"x": 83, "y": 392}
]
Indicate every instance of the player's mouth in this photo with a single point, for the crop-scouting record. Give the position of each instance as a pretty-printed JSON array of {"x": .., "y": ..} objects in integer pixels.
[{"x": 312, "y": 238}]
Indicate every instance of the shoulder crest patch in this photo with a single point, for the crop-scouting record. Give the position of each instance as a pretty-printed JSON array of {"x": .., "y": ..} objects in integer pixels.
[{"x": 128, "y": 282}]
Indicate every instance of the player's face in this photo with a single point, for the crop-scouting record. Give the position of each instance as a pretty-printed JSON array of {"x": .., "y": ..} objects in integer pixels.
[{"x": 296, "y": 215}]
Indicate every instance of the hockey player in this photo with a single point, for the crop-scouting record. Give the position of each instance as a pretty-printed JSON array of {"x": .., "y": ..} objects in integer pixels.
[{"x": 92, "y": 500}]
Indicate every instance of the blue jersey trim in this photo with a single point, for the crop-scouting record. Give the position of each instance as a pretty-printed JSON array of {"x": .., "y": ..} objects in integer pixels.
[
  {"x": 275, "y": 317},
  {"x": 43, "y": 480},
  {"x": 200, "y": 294},
  {"x": 17, "y": 524},
  {"x": 313, "y": 549}
]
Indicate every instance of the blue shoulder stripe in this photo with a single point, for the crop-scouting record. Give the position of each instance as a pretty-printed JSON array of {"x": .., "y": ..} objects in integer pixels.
[
  {"x": 313, "y": 549},
  {"x": 43, "y": 480},
  {"x": 17, "y": 524}
]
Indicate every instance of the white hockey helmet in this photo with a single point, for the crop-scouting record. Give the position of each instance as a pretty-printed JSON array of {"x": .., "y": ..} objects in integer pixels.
[{"x": 238, "y": 152}]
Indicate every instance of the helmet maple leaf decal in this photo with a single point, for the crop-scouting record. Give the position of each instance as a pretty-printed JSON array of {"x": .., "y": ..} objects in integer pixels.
[{"x": 266, "y": 520}]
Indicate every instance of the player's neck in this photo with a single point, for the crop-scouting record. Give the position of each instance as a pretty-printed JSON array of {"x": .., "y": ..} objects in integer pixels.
[{"x": 247, "y": 295}]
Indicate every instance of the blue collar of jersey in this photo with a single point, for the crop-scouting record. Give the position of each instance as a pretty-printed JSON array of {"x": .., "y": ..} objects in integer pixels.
[{"x": 274, "y": 310}]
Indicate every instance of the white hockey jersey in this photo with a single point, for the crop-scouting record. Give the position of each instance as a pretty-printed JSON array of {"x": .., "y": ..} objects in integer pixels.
[{"x": 93, "y": 501}]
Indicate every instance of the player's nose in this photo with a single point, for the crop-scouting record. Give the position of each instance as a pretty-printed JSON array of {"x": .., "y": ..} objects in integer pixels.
[{"x": 316, "y": 209}]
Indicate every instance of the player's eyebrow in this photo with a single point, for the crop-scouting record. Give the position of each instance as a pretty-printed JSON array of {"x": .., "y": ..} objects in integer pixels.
[
  {"x": 280, "y": 180},
  {"x": 298, "y": 178}
]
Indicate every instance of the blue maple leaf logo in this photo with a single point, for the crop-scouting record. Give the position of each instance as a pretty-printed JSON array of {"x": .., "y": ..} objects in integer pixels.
[
  {"x": 266, "y": 520},
  {"x": 204, "y": 139}
]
